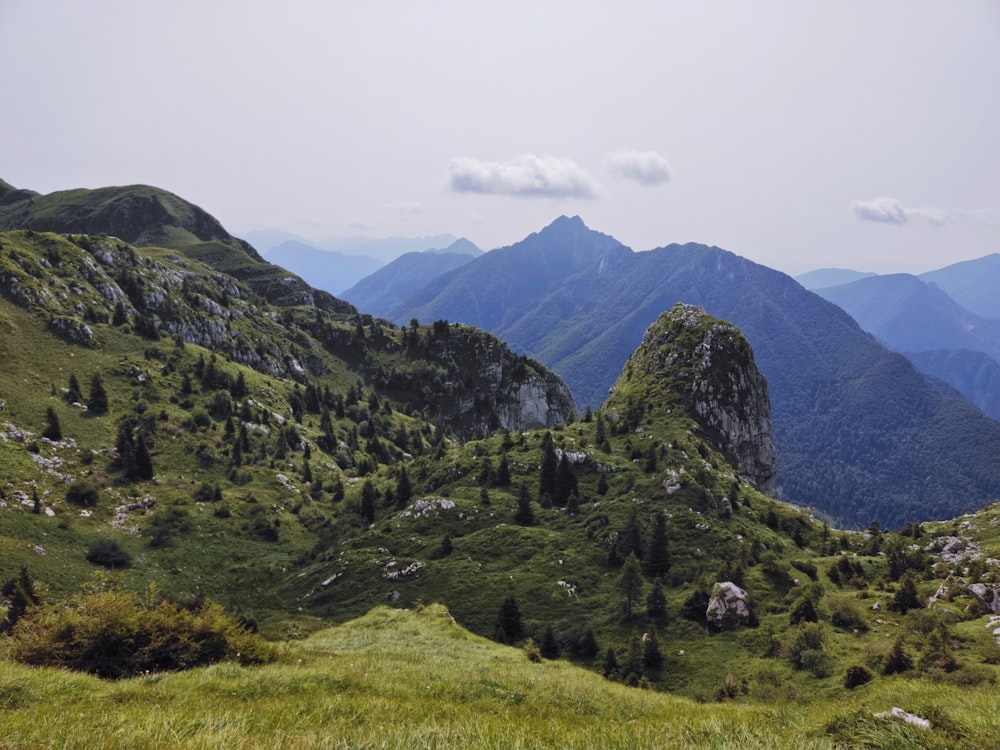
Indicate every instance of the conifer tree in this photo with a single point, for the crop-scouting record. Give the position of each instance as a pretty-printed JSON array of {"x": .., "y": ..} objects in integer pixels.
[
  {"x": 657, "y": 560},
  {"x": 369, "y": 495},
  {"x": 404, "y": 492},
  {"x": 503, "y": 473},
  {"x": 602, "y": 436},
  {"x": 549, "y": 469},
  {"x": 652, "y": 657},
  {"x": 549, "y": 646},
  {"x": 97, "y": 404},
  {"x": 610, "y": 667},
  {"x": 143, "y": 462},
  {"x": 656, "y": 604},
  {"x": 20, "y": 593},
  {"x": 588, "y": 647},
  {"x": 509, "y": 620},
  {"x": 52, "y": 431},
  {"x": 73, "y": 393},
  {"x": 565, "y": 481},
  {"x": 524, "y": 516},
  {"x": 630, "y": 585}
]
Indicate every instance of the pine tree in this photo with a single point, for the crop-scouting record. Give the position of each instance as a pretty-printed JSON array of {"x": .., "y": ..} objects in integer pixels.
[
  {"x": 632, "y": 670},
  {"x": 404, "y": 492},
  {"x": 20, "y": 593},
  {"x": 53, "y": 431},
  {"x": 73, "y": 393},
  {"x": 588, "y": 647},
  {"x": 524, "y": 516},
  {"x": 602, "y": 435},
  {"x": 503, "y": 473},
  {"x": 549, "y": 646},
  {"x": 368, "y": 500},
  {"x": 509, "y": 620},
  {"x": 656, "y": 605},
  {"x": 652, "y": 657},
  {"x": 610, "y": 667},
  {"x": 565, "y": 481},
  {"x": 657, "y": 561},
  {"x": 143, "y": 462},
  {"x": 898, "y": 660},
  {"x": 549, "y": 469},
  {"x": 630, "y": 585},
  {"x": 97, "y": 404}
]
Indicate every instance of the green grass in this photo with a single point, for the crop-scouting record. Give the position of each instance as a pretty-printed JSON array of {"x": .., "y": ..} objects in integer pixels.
[{"x": 416, "y": 679}]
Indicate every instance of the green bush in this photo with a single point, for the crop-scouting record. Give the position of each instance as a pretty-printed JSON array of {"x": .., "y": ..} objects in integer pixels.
[
  {"x": 107, "y": 553},
  {"x": 114, "y": 633},
  {"x": 82, "y": 492},
  {"x": 856, "y": 676}
]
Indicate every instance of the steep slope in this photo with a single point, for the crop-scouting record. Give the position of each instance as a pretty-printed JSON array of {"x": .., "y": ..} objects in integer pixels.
[
  {"x": 330, "y": 271},
  {"x": 380, "y": 292},
  {"x": 938, "y": 335},
  {"x": 909, "y": 315},
  {"x": 973, "y": 374},
  {"x": 859, "y": 432},
  {"x": 974, "y": 284},
  {"x": 146, "y": 216},
  {"x": 824, "y": 277}
]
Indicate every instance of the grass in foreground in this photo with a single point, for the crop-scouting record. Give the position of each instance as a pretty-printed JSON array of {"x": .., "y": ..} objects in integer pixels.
[{"x": 409, "y": 679}]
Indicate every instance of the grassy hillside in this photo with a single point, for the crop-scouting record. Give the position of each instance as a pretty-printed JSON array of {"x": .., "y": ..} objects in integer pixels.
[{"x": 415, "y": 679}]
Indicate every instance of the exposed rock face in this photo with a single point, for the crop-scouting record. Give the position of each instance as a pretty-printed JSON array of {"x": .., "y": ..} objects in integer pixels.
[
  {"x": 706, "y": 366},
  {"x": 476, "y": 384},
  {"x": 987, "y": 596},
  {"x": 728, "y": 607}
]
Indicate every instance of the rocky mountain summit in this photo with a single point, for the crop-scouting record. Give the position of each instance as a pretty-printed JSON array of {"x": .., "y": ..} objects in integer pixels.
[{"x": 705, "y": 366}]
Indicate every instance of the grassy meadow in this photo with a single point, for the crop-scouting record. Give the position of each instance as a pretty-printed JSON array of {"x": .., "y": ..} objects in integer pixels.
[{"x": 416, "y": 679}]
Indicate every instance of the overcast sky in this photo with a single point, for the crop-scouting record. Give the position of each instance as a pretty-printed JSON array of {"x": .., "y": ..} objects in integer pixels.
[{"x": 798, "y": 134}]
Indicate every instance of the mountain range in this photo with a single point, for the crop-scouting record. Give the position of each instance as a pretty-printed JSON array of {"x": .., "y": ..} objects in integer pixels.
[
  {"x": 860, "y": 433},
  {"x": 209, "y": 428},
  {"x": 942, "y": 338}
]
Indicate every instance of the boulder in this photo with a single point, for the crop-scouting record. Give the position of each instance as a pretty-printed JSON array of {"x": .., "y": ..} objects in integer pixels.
[
  {"x": 728, "y": 607},
  {"x": 987, "y": 596}
]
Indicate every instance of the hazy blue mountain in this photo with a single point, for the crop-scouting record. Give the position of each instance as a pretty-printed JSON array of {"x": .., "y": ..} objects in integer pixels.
[
  {"x": 974, "y": 284},
  {"x": 859, "y": 432},
  {"x": 384, "y": 248},
  {"x": 495, "y": 290},
  {"x": 938, "y": 335},
  {"x": 823, "y": 277},
  {"x": 973, "y": 374},
  {"x": 381, "y": 291},
  {"x": 909, "y": 315},
  {"x": 323, "y": 269}
]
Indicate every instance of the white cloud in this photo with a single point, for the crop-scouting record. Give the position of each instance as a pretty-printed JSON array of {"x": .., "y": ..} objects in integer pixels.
[
  {"x": 891, "y": 211},
  {"x": 527, "y": 175},
  {"x": 645, "y": 167}
]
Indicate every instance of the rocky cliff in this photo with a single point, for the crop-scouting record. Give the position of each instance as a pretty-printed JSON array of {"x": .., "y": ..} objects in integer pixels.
[{"x": 691, "y": 361}]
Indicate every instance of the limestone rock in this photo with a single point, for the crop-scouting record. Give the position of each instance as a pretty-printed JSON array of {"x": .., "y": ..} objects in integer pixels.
[
  {"x": 704, "y": 365},
  {"x": 728, "y": 607},
  {"x": 987, "y": 596}
]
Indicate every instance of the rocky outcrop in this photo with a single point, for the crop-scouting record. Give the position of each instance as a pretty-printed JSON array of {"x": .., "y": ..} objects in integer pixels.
[
  {"x": 690, "y": 360},
  {"x": 987, "y": 596},
  {"x": 474, "y": 383},
  {"x": 728, "y": 607}
]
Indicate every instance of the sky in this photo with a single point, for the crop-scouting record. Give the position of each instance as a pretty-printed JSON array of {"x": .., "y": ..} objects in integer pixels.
[{"x": 801, "y": 135}]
